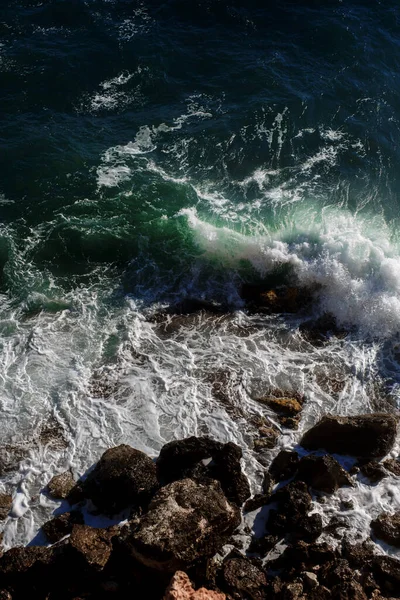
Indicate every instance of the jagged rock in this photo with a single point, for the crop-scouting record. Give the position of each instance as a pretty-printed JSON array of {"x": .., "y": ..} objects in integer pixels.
[
  {"x": 5, "y": 505},
  {"x": 267, "y": 484},
  {"x": 294, "y": 502},
  {"x": 256, "y": 502},
  {"x": 365, "y": 436},
  {"x": 348, "y": 590},
  {"x": 374, "y": 471},
  {"x": 387, "y": 528},
  {"x": 392, "y": 465},
  {"x": 62, "y": 525},
  {"x": 318, "y": 332},
  {"x": 123, "y": 477},
  {"x": 91, "y": 544},
  {"x": 263, "y": 545},
  {"x": 269, "y": 436},
  {"x": 5, "y": 595},
  {"x": 61, "y": 485},
  {"x": 322, "y": 473},
  {"x": 282, "y": 299},
  {"x": 242, "y": 579},
  {"x": 358, "y": 555},
  {"x": 181, "y": 588},
  {"x": 185, "y": 459},
  {"x": 335, "y": 572},
  {"x": 284, "y": 465},
  {"x": 285, "y": 406},
  {"x": 386, "y": 571},
  {"x": 310, "y": 580},
  {"x": 186, "y": 521},
  {"x": 27, "y": 571}
]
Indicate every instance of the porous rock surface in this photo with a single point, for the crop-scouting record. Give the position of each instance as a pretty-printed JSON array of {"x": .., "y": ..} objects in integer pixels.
[{"x": 181, "y": 588}]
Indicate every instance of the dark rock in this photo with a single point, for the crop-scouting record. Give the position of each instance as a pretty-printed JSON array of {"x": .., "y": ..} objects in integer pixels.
[
  {"x": 186, "y": 521},
  {"x": 62, "y": 525},
  {"x": 27, "y": 571},
  {"x": 386, "y": 571},
  {"x": 267, "y": 442},
  {"x": 309, "y": 528},
  {"x": 294, "y": 502},
  {"x": 387, "y": 528},
  {"x": 267, "y": 483},
  {"x": 256, "y": 502},
  {"x": 77, "y": 494},
  {"x": 282, "y": 299},
  {"x": 243, "y": 579},
  {"x": 289, "y": 422},
  {"x": 310, "y": 580},
  {"x": 358, "y": 555},
  {"x": 365, "y": 436},
  {"x": 334, "y": 524},
  {"x": 374, "y": 471},
  {"x": 263, "y": 545},
  {"x": 185, "y": 459},
  {"x": 392, "y": 465},
  {"x": 189, "y": 306},
  {"x": 284, "y": 465},
  {"x": 348, "y": 590},
  {"x": 123, "y": 477},
  {"x": 5, "y": 505},
  {"x": 319, "y": 331},
  {"x": 302, "y": 556},
  {"x": 335, "y": 572},
  {"x": 91, "y": 544},
  {"x": 323, "y": 473},
  {"x": 61, "y": 485},
  {"x": 5, "y": 595}
]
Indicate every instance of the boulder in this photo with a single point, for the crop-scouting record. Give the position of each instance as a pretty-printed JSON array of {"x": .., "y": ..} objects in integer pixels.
[
  {"x": 181, "y": 588},
  {"x": 123, "y": 477},
  {"x": 241, "y": 578},
  {"x": 284, "y": 465},
  {"x": 91, "y": 546},
  {"x": 387, "y": 528},
  {"x": 393, "y": 465},
  {"x": 62, "y": 525},
  {"x": 373, "y": 470},
  {"x": 365, "y": 436},
  {"x": 283, "y": 299},
  {"x": 323, "y": 473},
  {"x": 317, "y": 332},
  {"x": 5, "y": 505},
  {"x": 188, "y": 459},
  {"x": 256, "y": 502},
  {"x": 293, "y": 504},
  {"x": 61, "y": 485},
  {"x": 386, "y": 571},
  {"x": 284, "y": 406},
  {"x": 186, "y": 521}
]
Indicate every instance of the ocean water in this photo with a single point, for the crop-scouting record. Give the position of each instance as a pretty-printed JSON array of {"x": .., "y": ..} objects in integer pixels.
[{"x": 155, "y": 151}]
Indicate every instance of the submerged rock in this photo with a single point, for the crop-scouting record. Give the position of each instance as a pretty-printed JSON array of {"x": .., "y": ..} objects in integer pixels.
[
  {"x": 387, "y": 528},
  {"x": 186, "y": 521},
  {"x": 317, "y": 332},
  {"x": 287, "y": 406},
  {"x": 186, "y": 459},
  {"x": 123, "y": 477},
  {"x": 61, "y": 485},
  {"x": 365, "y": 436},
  {"x": 323, "y": 473},
  {"x": 181, "y": 588}
]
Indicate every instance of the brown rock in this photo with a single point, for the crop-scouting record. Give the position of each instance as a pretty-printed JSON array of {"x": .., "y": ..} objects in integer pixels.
[
  {"x": 184, "y": 459},
  {"x": 256, "y": 502},
  {"x": 5, "y": 595},
  {"x": 284, "y": 465},
  {"x": 186, "y": 521},
  {"x": 5, "y": 505},
  {"x": 91, "y": 544},
  {"x": 285, "y": 406},
  {"x": 374, "y": 471},
  {"x": 181, "y": 588},
  {"x": 62, "y": 525},
  {"x": 322, "y": 473},
  {"x": 123, "y": 477},
  {"x": 278, "y": 300},
  {"x": 61, "y": 485},
  {"x": 387, "y": 528},
  {"x": 392, "y": 465},
  {"x": 386, "y": 571},
  {"x": 365, "y": 436},
  {"x": 242, "y": 579},
  {"x": 268, "y": 439}
]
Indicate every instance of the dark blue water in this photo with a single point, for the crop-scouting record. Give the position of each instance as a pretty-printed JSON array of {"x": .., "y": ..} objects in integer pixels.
[{"x": 151, "y": 151}]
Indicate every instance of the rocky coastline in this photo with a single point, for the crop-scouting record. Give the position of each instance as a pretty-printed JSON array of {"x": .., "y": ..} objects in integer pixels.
[{"x": 183, "y": 535}]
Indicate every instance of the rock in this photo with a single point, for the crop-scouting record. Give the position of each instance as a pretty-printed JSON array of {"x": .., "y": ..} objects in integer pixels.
[
  {"x": 62, "y": 525},
  {"x": 392, "y": 465},
  {"x": 365, "y": 436},
  {"x": 386, "y": 571},
  {"x": 91, "y": 544},
  {"x": 256, "y": 502},
  {"x": 287, "y": 405},
  {"x": 28, "y": 571},
  {"x": 181, "y": 588},
  {"x": 61, "y": 485},
  {"x": 186, "y": 521},
  {"x": 267, "y": 484},
  {"x": 387, "y": 528},
  {"x": 309, "y": 528},
  {"x": 186, "y": 459},
  {"x": 323, "y": 473},
  {"x": 5, "y": 505},
  {"x": 263, "y": 545},
  {"x": 310, "y": 580},
  {"x": 123, "y": 477},
  {"x": 266, "y": 442},
  {"x": 294, "y": 502},
  {"x": 318, "y": 332},
  {"x": 374, "y": 471},
  {"x": 349, "y": 590},
  {"x": 284, "y": 465},
  {"x": 5, "y": 595},
  {"x": 283, "y": 299},
  {"x": 240, "y": 578},
  {"x": 19, "y": 560},
  {"x": 335, "y": 572}
]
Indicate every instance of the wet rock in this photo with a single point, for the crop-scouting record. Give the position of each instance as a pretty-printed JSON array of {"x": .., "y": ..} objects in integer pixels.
[
  {"x": 263, "y": 545},
  {"x": 387, "y": 528},
  {"x": 358, "y": 555},
  {"x": 374, "y": 471},
  {"x": 286, "y": 406},
  {"x": 186, "y": 521},
  {"x": 123, "y": 477},
  {"x": 186, "y": 459},
  {"x": 289, "y": 422},
  {"x": 294, "y": 502},
  {"x": 268, "y": 439},
  {"x": 309, "y": 528},
  {"x": 365, "y": 436},
  {"x": 256, "y": 502},
  {"x": 181, "y": 588},
  {"x": 243, "y": 579},
  {"x": 393, "y": 465},
  {"x": 62, "y": 525},
  {"x": 323, "y": 473},
  {"x": 5, "y": 505},
  {"x": 335, "y": 572},
  {"x": 284, "y": 465},
  {"x": 386, "y": 571},
  {"x": 317, "y": 332},
  {"x": 11, "y": 456},
  {"x": 61, "y": 485},
  {"x": 91, "y": 544},
  {"x": 282, "y": 299},
  {"x": 267, "y": 483}
]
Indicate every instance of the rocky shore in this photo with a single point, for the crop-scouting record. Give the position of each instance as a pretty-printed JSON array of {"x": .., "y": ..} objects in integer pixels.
[{"x": 182, "y": 534}]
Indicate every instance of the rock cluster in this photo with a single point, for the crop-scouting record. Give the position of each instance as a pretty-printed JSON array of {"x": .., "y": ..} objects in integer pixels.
[{"x": 183, "y": 510}]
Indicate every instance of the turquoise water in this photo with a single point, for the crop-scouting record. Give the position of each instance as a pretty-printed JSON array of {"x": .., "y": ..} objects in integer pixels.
[{"x": 152, "y": 151}]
